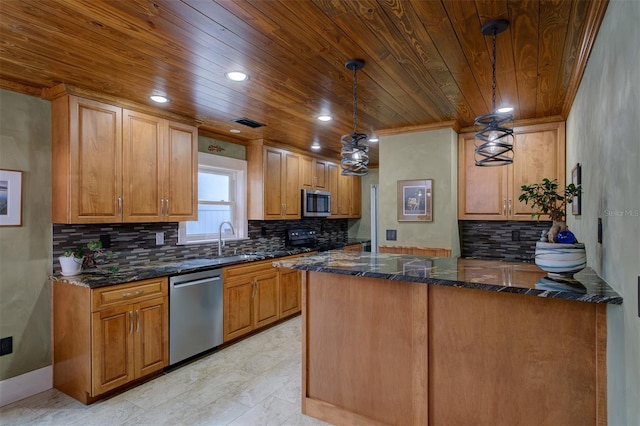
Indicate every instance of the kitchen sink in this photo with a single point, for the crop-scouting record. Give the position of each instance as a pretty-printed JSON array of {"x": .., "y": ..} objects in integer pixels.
[{"x": 235, "y": 258}]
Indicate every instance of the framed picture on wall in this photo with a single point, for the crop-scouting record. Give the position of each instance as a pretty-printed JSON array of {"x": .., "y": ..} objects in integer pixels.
[
  {"x": 576, "y": 179},
  {"x": 10, "y": 198},
  {"x": 415, "y": 200}
]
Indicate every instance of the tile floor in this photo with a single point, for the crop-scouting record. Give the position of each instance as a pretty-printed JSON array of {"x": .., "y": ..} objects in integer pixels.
[{"x": 254, "y": 382}]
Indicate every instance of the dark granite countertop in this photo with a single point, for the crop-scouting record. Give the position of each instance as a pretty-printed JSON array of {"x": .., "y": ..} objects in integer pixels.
[
  {"x": 492, "y": 275},
  {"x": 95, "y": 278}
]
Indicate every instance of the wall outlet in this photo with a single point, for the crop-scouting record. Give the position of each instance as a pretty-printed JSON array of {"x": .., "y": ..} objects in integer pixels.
[
  {"x": 159, "y": 238},
  {"x": 106, "y": 241},
  {"x": 515, "y": 235},
  {"x": 600, "y": 230},
  {"x": 6, "y": 345},
  {"x": 392, "y": 235}
]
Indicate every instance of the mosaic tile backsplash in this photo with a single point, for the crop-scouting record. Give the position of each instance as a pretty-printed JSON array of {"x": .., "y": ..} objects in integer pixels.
[
  {"x": 135, "y": 243},
  {"x": 494, "y": 239}
]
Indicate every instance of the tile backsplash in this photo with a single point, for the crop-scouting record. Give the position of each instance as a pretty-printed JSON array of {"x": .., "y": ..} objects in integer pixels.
[
  {"x": 494, "y": 239},
  {"x": 135, "y": 243}
]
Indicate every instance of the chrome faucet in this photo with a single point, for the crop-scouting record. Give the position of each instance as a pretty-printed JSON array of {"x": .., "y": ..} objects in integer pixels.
[{"x": 220, "y": 241}]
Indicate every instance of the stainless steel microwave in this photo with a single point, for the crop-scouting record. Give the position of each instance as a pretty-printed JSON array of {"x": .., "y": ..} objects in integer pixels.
[{"x": 316, "y": 203}]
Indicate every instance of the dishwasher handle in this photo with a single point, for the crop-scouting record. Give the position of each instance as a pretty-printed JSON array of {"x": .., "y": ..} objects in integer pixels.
[{"x": 195, "y": 282}]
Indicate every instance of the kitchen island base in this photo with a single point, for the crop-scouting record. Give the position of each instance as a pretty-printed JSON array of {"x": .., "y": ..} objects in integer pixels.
[{"x": 379, "y": 351}]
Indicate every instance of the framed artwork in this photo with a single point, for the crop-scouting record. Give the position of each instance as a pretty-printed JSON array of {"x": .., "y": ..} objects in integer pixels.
[
  {"x": 576, "y": 179},
  {"x": 10, "y": 198},
  {"x": 415, "y": 200}
]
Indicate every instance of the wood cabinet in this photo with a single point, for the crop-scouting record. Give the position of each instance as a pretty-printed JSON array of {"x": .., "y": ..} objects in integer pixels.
[
  {"x": 274, "y": 183},
  {"x": 257, "y": 294},
  {"x": 107, "y": 337},
  {"x": 345, "y": 194},
  {"x": 491, "y": 193},
  {"x": 113, "y": 165},
  {"x": 251, "y": 298},
  {"x": 313, "y": 173}
]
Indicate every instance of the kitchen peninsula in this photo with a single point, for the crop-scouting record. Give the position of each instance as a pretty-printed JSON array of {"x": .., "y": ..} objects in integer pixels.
[{"x": 398, "y": 339}]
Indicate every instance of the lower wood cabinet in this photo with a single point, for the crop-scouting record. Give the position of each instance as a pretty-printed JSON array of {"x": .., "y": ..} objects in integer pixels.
[
  {"x": 257, "y": 294},
  {"x": 105, "y": 338},
  {"x": 290, "y": 292}
]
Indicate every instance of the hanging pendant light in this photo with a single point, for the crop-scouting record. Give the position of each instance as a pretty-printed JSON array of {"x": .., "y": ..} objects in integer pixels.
[
  {"x": 494, "y": 138},
  {"x": 355, "y": 151}
]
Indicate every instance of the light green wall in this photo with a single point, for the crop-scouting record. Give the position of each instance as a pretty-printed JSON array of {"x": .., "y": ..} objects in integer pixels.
[
  {"x": 415, "y": 156},
  {"x": 25, "y": 251},
  {"x": 361, "y": 228},
  {"x": 603, "y": 131}
]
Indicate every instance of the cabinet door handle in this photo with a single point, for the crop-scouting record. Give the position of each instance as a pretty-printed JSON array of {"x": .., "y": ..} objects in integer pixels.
[
  {"x": 255, "y": 288},
  {"x": 162, "y": 207},
  {"x": 504, "y": 207},
  {"x": 130, "y": 322},
  {"x": 166, "y": 207},
  {"x": 509, "y": 207},
  {"x": 132, "y": 293},
  {"x": 137, "y": 320},
  {"x": 120, "y": 206}
]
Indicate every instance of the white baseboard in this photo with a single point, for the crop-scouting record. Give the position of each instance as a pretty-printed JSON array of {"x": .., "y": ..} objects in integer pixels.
[{"x": 25, "y": 385}]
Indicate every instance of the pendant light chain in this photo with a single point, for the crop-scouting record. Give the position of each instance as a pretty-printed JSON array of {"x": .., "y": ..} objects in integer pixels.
[
  {"x": 493, "y": 70},
  {"x": 355, "y": 100}
]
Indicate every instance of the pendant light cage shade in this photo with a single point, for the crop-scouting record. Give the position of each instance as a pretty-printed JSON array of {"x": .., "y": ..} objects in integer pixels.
[
  {"x": 494, "y": 135},
  {"x": 355, "y": 148},
  {"x": 355, "y": 155}
]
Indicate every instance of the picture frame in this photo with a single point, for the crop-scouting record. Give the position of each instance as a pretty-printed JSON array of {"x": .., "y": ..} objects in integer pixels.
[
  {"x": 10, "y": 197},
  {"x": 415, "y": 200},
  {"x": 576, "y": 179}
]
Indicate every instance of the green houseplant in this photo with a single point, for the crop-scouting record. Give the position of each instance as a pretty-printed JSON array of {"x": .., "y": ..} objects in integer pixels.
[
  {"x": 550, "y": 200},
  {"x": 71, "y": 261}
]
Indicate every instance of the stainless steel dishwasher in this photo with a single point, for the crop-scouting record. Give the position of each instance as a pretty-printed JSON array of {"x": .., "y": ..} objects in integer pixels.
[{"x": 195, "y": 313}]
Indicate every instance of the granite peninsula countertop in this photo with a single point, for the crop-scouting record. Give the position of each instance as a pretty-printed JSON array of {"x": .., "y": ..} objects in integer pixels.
[
  {"x": 492, "y": 275},
  {"x": 96, "y": 278}
]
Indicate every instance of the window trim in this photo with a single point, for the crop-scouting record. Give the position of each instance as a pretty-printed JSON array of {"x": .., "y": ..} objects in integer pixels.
[{"x": 239, "y": 169}]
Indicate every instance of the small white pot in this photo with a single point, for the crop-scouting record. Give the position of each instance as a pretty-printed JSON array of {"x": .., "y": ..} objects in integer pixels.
[
  {"x": 70, "y": 265},
  {"x": 561, "y": 259}
]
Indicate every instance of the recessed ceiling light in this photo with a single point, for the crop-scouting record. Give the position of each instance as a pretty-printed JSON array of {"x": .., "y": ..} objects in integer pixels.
[
  {"x": 236, "y": 76},
  {"x": 159, "y": 99},
  {"x": 324, "y": 117},
  {"x": 234, "y": 131},
  {"x": 315, "y": 145},
  {"x": 374, "y": 139},
  {"x": 505, "y": 109}
]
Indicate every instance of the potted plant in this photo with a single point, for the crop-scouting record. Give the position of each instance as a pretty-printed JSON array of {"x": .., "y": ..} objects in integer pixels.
[
  {"x": 561, "y": 254},
  {"x": 71, "y": 261},
  {"x": 546, "y": 197}
]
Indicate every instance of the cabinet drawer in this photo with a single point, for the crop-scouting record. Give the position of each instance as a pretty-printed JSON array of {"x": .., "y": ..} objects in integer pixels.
[
  {"x": 248, "y": 269},
  {"x": 131, "y": 292}
]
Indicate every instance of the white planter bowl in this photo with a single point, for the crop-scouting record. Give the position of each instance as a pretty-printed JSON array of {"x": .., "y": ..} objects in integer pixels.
[
  {"x": 70, "y": 265},
  {"x": 561, "y": 259}
]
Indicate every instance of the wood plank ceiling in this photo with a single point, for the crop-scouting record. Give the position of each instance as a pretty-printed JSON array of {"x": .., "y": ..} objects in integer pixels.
[{"x": 426, "y": 61}]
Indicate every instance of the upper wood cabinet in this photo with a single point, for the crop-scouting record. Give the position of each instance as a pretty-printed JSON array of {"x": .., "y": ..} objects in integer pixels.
[
  {"x": 345, "y": 193},
  {"x": 491, "y": 193},
  {"x": 313, "y": 173},
  {"x": 115, "y": 165},
  {"x": 274, "y": 183}
]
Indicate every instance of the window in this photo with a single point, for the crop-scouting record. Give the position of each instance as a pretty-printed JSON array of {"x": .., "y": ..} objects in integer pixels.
[{"x": 222, "y": 196}]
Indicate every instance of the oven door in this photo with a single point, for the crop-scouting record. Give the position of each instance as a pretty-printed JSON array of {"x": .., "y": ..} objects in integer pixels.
[{"x": 316, "y": 203}]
